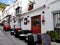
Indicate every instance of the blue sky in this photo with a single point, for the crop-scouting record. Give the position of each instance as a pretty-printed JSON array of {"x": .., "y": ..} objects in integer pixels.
[{"x": 7, "y": 1}]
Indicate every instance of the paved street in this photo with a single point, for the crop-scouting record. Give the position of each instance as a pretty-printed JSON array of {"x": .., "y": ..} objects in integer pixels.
[{"x": 7, "y": 39}]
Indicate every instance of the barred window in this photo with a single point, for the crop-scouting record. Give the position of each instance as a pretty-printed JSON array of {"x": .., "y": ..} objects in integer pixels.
[{"x": 56, "y": 19}]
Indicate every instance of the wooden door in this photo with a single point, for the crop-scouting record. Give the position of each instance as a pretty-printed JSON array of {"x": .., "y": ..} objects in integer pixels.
[{"x": 36, "y": 24}]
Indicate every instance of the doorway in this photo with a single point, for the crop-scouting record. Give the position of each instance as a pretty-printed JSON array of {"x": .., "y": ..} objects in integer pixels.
[{"x": 36, "y": 24}]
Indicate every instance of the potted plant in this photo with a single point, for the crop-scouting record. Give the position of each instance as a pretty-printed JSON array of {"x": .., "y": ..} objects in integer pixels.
[{"x": 53, "y": 35}]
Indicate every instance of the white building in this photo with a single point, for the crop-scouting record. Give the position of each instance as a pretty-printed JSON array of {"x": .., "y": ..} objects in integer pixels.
[
  {"x": 8, "y": 14},
  {"x": 0, "y": 16},
  {"x": 37, "y": 19},
  {"x": 11, "y": 12},
  {"x": 42, "y": 17},
  {"x": 4, "y": 13},
  {"x": 38, "y": 16},
  {"x": 54, "y": 10},
  {"x": 17, "y": 6}
]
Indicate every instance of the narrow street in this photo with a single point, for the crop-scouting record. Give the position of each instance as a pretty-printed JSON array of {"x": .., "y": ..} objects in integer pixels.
[
  {"x": 7, "y": 39},
  {"x": 29, "y": 22}
]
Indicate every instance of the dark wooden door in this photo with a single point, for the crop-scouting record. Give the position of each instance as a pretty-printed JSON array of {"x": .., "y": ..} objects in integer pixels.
[{"x": 36, "y": 24}]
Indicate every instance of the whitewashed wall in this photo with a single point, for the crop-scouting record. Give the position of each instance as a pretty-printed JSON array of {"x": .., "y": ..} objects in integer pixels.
[
  {"x": 11, "y": 12},
  {"x": 0, "y": 16},
  {"x": 5, "y": 11},
  {"x": 52, "y": 6},
  {"x": 37, "y": 4},
  {"x": 12, "y": 23},
  {"x": 44, "y": 27},
  {"x": 17, "y": 23},
  {"x": 24, "y": 4}
]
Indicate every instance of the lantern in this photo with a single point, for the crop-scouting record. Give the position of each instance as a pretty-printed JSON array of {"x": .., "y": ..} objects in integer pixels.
[{"x": 43, "y": 19}]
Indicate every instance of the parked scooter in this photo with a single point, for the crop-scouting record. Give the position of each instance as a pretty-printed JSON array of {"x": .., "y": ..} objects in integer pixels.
[
  {"x": 24, "y": 34},
  {"x": 12, "y": 32},
  {"x": 17, "y": 32}
]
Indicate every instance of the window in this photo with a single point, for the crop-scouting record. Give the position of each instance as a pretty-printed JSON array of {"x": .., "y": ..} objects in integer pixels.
[
  {"x": 18, "y": 10},
  {"x": 56, "y": 19}
]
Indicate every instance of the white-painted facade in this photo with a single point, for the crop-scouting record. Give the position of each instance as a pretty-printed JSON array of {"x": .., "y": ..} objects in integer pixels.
[
  {"x": 12, "y": 12},
  {"x": 4, "y": 14},
  {"x": 48, "y": 26},
  {"x": 54, "y": 9},
  {"x": 52, "y": 6},
  {"x": 49, "y": 7},
  {"x": 9, "y": 10},
  {"x": 5, "y": 11},
  {"x": 0, "y": 16}
]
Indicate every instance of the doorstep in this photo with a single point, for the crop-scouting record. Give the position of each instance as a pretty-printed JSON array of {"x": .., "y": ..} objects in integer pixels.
[{"x": 54, "y": 43}]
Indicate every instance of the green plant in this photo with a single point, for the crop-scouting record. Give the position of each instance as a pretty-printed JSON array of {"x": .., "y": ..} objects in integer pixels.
[
  {"x": 53, "y": 34},
  {"x": 56, "y": 35}
]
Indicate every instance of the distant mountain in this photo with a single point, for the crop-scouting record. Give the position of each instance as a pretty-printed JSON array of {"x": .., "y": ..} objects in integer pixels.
[{"x": 2, "y": 5}]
